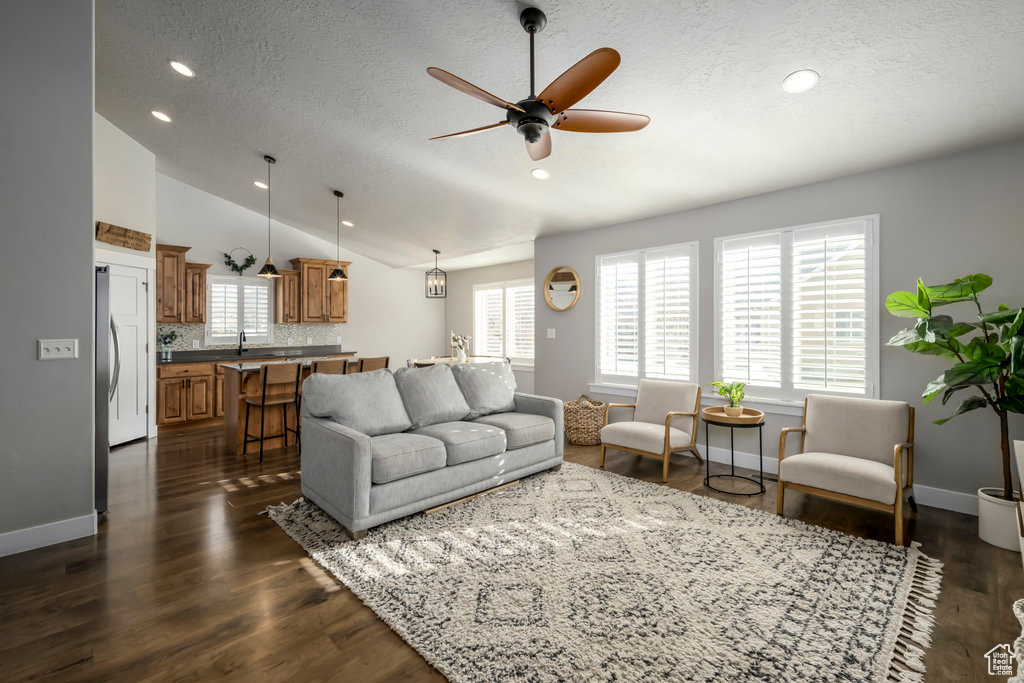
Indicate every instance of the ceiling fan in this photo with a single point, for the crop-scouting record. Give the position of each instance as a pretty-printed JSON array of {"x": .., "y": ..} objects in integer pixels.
[{"x": 534, "y": 116}]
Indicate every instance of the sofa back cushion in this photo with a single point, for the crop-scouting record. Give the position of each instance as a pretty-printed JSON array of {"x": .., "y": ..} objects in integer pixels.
[
  {"x": 431, "y": 395},
  {"x": 858, "y": 427},
  {"x": 367, "y": 402},
  {"x": 488, "y": 387}
]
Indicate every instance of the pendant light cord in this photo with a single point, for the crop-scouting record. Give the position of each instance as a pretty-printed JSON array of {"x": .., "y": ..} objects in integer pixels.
[
  {"x": 268, "y": 209},
  {"x": 338, "y": 241}
]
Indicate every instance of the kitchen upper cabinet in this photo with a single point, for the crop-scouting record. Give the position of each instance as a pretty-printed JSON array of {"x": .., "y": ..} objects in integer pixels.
[
  {"x": 322, "y": 301},
  {"x": 195, "y": 292},
  {"x": 170, "y": 283},
  {"x": 287, "y": 297}
]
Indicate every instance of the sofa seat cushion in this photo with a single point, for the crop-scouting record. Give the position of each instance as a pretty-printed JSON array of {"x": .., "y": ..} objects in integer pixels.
[
  {"x": 397, "y": 456},
  {"x": 431, "y": 395},
  {"x": 465, "y": 441},
  {"x": 643, "y": 436},
  {"x": 367, "y": 402},
  {"x": 488, "y": 387},
  {"x": 858, "y": 477},
  {"x": 521, "y": 429}
]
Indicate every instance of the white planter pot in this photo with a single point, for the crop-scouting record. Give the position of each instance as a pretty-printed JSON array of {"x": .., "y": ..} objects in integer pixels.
[{"x": 997, "y": 519}]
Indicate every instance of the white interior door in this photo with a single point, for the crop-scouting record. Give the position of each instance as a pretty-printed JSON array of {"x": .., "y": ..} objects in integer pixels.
[{"x": 128, "y": 313}]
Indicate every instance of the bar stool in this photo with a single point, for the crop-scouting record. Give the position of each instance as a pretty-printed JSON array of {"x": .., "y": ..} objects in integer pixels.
[
  {"x": 368, "y": 364},
  {"x": 332, "y": 367},
  {"x": 283, "y": 373}
]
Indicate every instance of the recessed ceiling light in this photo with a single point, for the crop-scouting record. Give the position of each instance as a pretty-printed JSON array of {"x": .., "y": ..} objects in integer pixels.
[
  {"x": 800, "y": 81},
  {"x": 348, "y": 224},
  {"x": 260, "y": 184},
  {"x": 540, "y": 174},
  {"x": 161, "y": 116},
  {"x": 183, "y": 69}
]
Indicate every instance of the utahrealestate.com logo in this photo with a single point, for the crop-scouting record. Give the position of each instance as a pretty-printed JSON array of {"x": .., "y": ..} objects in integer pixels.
[{"x": 1000, "y": 660}]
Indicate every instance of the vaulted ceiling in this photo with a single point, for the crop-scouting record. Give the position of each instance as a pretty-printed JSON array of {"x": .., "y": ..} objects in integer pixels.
[{"x": 338, "y": 92}]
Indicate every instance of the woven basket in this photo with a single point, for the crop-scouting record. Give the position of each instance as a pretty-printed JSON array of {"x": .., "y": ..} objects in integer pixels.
[{"x": 584, "y": 418}]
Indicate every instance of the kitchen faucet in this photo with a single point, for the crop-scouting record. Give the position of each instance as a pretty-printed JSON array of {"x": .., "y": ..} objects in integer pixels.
[{"x": 241, "y": 338}]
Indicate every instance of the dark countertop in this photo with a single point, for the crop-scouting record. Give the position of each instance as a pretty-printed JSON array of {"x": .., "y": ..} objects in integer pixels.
[{"x": 220, "y": 355}]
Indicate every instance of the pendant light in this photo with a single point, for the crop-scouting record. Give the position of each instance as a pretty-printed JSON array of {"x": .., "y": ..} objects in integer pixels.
[
  {"x": 338, "y": 275},
  {"x": 436, "y": 287},
  {"x": 268, "y": 269}
]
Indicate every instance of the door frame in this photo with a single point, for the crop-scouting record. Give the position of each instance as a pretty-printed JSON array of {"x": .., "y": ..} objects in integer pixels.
[{"x": 108, "y": 257}]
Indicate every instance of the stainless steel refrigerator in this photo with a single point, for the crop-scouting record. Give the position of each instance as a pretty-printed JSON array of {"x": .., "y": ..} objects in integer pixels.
[{"x": 106, "y": 344}]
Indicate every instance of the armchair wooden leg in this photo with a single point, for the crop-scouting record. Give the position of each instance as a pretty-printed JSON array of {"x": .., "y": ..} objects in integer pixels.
[
  {"x": 602, "y": 455},
  {"x": 899, "y": 518},
  {"x": 696, "y": 454},
  {"x": 664, "y": 468},
  {"x": 780, "y": 498}
]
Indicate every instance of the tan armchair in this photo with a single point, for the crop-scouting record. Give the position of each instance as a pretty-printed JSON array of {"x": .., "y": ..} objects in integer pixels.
[
  {"x": 651, "y": 432},
  {"x": 852, "y": 450}
]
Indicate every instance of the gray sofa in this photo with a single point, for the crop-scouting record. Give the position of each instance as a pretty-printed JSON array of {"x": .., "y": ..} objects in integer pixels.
[{"x": 377, "y": 446}]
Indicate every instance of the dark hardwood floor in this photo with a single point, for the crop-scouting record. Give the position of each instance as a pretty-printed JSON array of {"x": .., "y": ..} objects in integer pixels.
[{"x": 186, "y": 580}]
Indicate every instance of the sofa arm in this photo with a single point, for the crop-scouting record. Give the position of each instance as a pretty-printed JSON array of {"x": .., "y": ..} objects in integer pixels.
[
  {"x": 548, "y": 407},
  {"x": 336, "y": 464}
]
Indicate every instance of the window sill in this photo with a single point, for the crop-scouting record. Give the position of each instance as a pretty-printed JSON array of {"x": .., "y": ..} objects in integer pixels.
[{"x": 772, "y": 406}]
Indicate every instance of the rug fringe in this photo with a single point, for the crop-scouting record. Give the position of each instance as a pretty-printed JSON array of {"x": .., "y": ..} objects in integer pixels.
[{"x": 917, "y": 621}]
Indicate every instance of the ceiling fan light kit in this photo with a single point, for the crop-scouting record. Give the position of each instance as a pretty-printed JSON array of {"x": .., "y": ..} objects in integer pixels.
[{"x": 535, "y": 116}]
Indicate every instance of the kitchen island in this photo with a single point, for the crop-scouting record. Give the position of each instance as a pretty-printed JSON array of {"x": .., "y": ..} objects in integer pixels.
[{"x": 242, "y": 380}]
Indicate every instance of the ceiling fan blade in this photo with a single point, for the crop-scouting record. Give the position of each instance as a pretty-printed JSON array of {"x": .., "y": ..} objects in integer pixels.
[
  {"x": 472, "y": 131},
  {"x": 540, "y": 149},
  {"x": 579, "y": 80},
  {"x": 597, "y": 121},
  {"x": 470, "y": 89}
]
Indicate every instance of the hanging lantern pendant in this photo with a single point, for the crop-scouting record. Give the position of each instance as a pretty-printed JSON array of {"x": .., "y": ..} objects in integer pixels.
[
  {"x": 268, "y": 269},
  {"x": 436, "y": 281}
]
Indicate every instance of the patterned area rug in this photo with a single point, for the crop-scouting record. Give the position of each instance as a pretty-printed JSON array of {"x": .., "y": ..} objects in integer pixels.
[{"x": 591, "y": 576}]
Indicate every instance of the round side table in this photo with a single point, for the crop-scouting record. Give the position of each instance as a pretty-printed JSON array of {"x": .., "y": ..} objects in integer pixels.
[{"x": 759, "y": 482}]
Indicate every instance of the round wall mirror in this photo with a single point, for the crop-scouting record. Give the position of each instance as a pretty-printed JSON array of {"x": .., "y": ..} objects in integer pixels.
[{"x": 562, "y": 288}]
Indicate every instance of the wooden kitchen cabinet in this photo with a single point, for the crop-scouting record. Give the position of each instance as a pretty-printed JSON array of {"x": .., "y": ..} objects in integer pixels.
[
  {"x": 170, "y": 283},
  {"x": 287, "y": 297},
  {"x": 322, "y": 300},
  {"x": 218, "y": 392},
  {"x": 200, "y": 404},
  {"x": 170, "y": 401},
  {"x": 195, "y": 292}
]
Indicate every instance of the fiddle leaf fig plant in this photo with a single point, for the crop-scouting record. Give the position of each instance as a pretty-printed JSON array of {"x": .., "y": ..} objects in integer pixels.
[
  {"x": 731, "y": 390},
  {"x": 987, "y": 352}
]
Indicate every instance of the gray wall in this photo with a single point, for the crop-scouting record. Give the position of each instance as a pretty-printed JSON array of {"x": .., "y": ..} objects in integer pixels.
[
  {"x": 940, "y": 219},
  {"x": 46, "y": 76},
  {"x": 458, "y": 307}
]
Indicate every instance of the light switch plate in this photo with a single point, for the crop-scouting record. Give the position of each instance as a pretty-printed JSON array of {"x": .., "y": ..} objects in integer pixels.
[
  {"x": 309, "y": 341},
  {"x": 551, "y": 333},
  {"x": 338, "y": 340},
  {"x": 195, "y": 343},
  {"x": 56, "y": 349}
]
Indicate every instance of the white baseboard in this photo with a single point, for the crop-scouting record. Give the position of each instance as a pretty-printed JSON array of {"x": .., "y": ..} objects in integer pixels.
[
  {"x": 20, "y": 540},
  {"x": 967, "y": 503}
]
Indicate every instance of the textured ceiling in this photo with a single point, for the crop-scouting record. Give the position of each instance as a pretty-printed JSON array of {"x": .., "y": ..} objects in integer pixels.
[{"x": 338, "y": 92}]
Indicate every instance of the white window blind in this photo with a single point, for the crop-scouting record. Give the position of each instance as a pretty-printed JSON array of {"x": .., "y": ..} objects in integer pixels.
[
  {"x": 647, "y": 315},
  {"x": 503, "y": 320},
  {"x": 667, "y": 352},
  {"x": 795, "y": 309},
  {"x": 750, "y": 310},
  {"x": 236, "y": 304}
]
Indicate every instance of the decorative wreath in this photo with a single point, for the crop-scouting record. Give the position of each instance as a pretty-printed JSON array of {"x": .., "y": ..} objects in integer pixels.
[{"x": 239, "y": 268}]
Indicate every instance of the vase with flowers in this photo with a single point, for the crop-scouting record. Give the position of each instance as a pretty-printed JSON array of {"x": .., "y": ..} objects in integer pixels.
[
  {"x": 165, "y": 340},
  {"x": 460, "y": 342}
]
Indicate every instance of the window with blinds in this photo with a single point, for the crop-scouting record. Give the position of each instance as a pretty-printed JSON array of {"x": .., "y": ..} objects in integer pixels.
[
  {"x": 795, "y": 309},
  {"x": 237, "y": 304},
  {"x": 647, "y": 315},
  {"x": 503, "y": 320}
]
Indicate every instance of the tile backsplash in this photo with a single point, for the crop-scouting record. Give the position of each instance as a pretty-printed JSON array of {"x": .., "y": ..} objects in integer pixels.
[{"x": 284, "y": 335}]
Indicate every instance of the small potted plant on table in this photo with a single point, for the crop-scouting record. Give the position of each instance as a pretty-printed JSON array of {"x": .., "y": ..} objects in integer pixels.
[{"x": 733, "y": 392}]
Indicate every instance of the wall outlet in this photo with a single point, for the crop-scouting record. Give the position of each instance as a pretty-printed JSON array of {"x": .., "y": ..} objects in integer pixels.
[
  {"x": 195, "y": 343},
  {"x": 55, "y": 349},
  {"x": 309, "y": 341},
  {"x": 338, "y": 340},
  {"x": 551, "y": 333}
]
